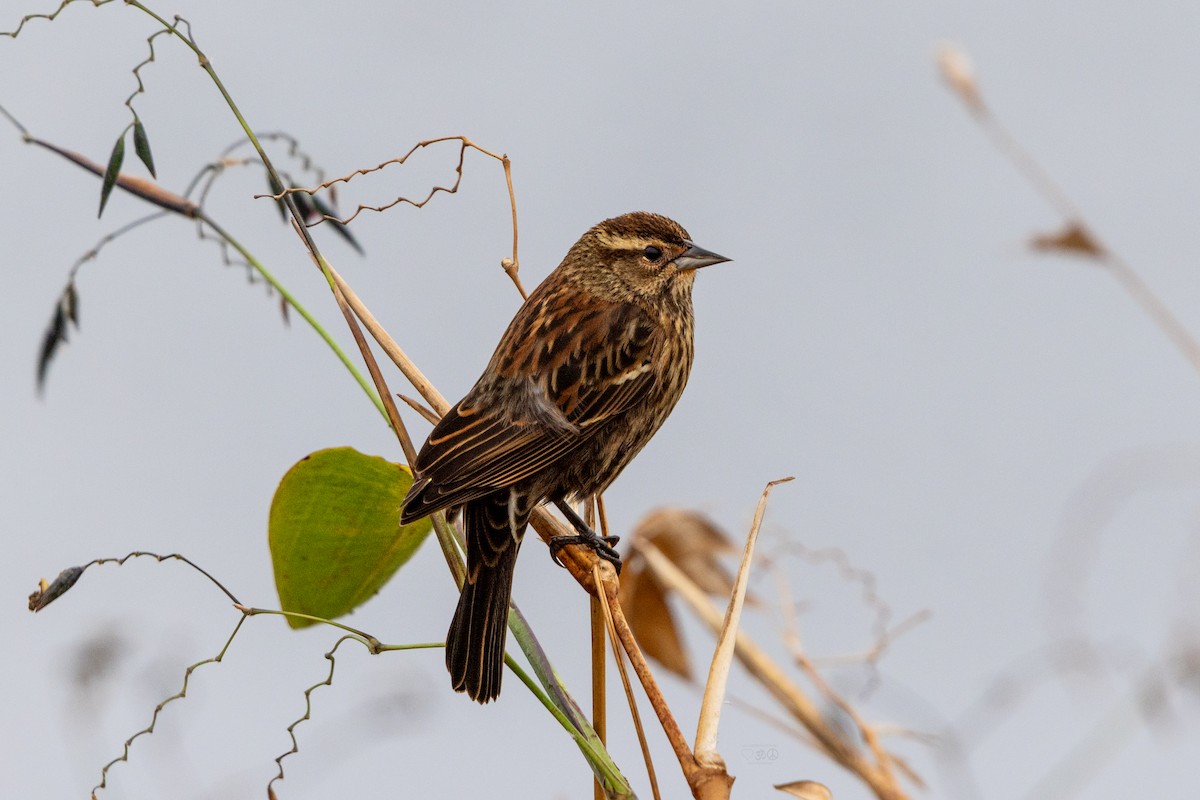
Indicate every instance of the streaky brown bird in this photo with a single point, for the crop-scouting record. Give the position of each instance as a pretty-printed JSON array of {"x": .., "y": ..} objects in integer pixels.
[{"x": 585, "y": 374}]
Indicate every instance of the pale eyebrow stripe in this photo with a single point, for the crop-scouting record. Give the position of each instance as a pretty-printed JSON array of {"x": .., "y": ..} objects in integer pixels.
[{"x": 624, "y": 242}]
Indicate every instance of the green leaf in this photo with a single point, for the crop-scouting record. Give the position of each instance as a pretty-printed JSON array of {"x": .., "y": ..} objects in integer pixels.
[
  {"x": 66, "y": 315},
  {"x": 335, "y": 533},
  {"x": 114, "y": 169},
  {"x": 141, "y": 146}
]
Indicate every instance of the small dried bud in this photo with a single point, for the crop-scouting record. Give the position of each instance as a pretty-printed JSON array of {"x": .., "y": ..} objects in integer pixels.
[
  {"x": 37, "y": 595},
  {"x": 48, "y": 593},
  {"x": 958, "y": 72},
  {"x": 1073, "y": 238}
]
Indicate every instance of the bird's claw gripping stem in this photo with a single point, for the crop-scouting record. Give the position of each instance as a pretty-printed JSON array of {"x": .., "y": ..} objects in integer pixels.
[{"x": 602, "y": 546}]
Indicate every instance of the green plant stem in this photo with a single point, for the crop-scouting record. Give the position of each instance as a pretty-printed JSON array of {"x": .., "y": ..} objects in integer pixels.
[
  {"x": 270, "y": 167},
  {"x": 561, "y": 705},
  {"x": 595, "y": 753},
  {"x": 206, "y": 65},
  {"x": 367, "y": 640},
  {"x": 300, "y": 309},
  {"x": 556, "y": 698}
]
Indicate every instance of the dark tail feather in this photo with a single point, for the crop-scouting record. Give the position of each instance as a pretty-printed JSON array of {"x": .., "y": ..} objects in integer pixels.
[{"x": 475, "y": 642}]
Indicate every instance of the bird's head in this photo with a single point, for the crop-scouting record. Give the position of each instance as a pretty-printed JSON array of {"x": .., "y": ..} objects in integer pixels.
[{"x": 637, "y": 255}]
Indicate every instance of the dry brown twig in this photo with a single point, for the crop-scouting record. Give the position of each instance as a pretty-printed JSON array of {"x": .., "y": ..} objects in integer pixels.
[
  {"x": 600, "y": 624},
  {"x": 703, "y": 768},
  {"x": 1076, "y": 236},
  {"x": 597, "y": 620},
  {"x": 140, "y": 187},
  {"x": 425, "y": 411},
  {"x": 878, "y": 775},
  {"x": 607, "y": 613},
  {"x": 511, "y": 266},
  {"x": 885, "y": 633},
  {"x": 718, "y": 673},
  {"x": 706, "y": 781}
]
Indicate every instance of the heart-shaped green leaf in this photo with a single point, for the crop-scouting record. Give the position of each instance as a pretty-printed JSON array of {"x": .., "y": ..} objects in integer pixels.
[{"x": 335, "y": 533}]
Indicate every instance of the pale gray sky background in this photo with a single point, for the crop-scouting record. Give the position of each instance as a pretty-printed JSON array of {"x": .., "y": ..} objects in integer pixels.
[{"x": 1001, "y": 438}]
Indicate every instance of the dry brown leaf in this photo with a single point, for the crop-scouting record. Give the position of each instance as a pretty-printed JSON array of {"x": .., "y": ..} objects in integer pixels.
[
  {"x": 1073, "y": 238},
  {"x": 806, "y": 790},
  {"x": 645, "y": 602},
  {"x": 692, "y": 542}
]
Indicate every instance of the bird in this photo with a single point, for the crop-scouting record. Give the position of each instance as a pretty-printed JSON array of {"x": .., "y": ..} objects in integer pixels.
[{"x": 585, "y": 374}]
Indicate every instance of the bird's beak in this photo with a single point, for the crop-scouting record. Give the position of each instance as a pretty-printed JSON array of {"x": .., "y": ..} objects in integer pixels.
[{"x": 696, "y": 257}]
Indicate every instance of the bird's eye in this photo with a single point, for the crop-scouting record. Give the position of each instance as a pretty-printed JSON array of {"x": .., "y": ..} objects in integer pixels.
[{"x": 652, "y": 253}]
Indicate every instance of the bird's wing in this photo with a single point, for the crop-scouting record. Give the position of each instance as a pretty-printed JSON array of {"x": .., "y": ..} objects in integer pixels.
[{"x": 556, "y": 391}]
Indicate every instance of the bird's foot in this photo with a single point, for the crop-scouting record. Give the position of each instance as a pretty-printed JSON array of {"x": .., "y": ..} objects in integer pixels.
[{"x": 602, "y": 546}]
